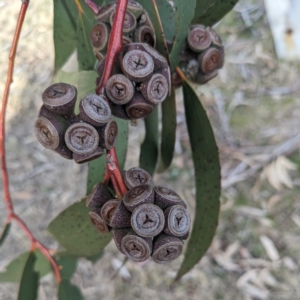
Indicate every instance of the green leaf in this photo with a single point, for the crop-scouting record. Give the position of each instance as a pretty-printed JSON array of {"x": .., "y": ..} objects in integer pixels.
[
  {"x": 96, "y": 167},
  {"x": 149, "y": 147},
  {"x": 184, "y": 15},
  {"x": 30, "y": 279},
  {"x": 67, "y": 291},
  {"x": 74, "y": 231},
  {"x": 15, "y": 268},
  {"x": 167, "y": 16},
  {"x": 4, "y": 233},
  {"x": 168, "y": 134},
  {"x": 208, "y": 12},
  {"x": 67, "y": 264},
  {"x": 64, "y": 30},
  {"x": 207, "y": 180}
]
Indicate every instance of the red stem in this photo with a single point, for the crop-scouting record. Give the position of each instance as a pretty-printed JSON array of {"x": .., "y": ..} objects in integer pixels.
[{"x": 9, "y": 205}]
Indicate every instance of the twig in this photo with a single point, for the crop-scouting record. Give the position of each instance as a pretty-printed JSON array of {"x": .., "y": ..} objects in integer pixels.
[{"x": 11, "y": 214}]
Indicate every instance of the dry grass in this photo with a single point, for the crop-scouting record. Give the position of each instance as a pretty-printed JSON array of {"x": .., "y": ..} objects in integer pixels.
[{"x": 254, "y": 102}]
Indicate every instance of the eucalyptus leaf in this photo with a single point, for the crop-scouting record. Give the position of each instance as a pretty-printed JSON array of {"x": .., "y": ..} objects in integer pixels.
[
  {"x": 168, "y": 134},
  {"x": 29, "y": 280},
  {"x": 209, "y": 12},
  {"x": 67, "y": 291},
  {"x": 74, "y": 231},
  {"x": 207, "y": 180},
  {"x": 149, "y": 147},
  {"x": 4, "y": 233},
  {"x": 184, "y": 15}
]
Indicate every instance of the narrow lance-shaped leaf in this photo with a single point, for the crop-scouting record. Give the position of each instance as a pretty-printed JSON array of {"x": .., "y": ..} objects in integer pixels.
[
  {"x": 68, "y": 291},
  {"x": 184, "y": 15},
  {"x": 207, "y": 180},
  {"x": 209, "y": 12},
  {"x": 168, "y": 134},
  {"x": 30, "y": 279},
  {"x": 149, "y": 147},
  {"x": 4, "y": 233}
]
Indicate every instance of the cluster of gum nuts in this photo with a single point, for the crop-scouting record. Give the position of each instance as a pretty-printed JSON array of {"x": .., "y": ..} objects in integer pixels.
[
  {"x": 149, "y": 221},
  {"x": 81, "y": 137}
]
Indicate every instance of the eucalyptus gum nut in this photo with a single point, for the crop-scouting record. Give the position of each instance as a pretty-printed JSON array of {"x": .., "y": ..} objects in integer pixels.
[
  {"x": 204, "y": 78},
  {"x": 155, "y": 89},
  {"x": 119, "y": 89},
  {"x": 216, "y": 40},
  {"x": 199, "y": 39},
  {"x": 166, "y": 248},
  {"x": 191, "y": 70},
  {"x": 165, "y": 197},
  {"x": 118, "y": 235},
  {"x": 108, "y": 134},
  {"x": 126, "y": 40},
  {"x": 135, "y": 8},
  {"x": 82, "y": 138},
  {"x": 147, "y": 220},
  {"x": 98, "y": 196},
  {"x": 94, "y": 110},
  {"x": 98, "y": 222},
  {"x": 138, "y": 107},
  {"x": 136, "y": 176},
  {"x": 160, "y": 61},
  {"x": 138, "y": 195},
  {"x": 177, "y": 221},
  {"x": 60, "y": 98},
  {"x": 99, "y": 55},
  {"x": 50, "y": 129},
  {"x": 167, "y": 73},
  {"x": 101, "y": 65},
  {"x": 145, "y": 34},
  {"x": 119, "y": 111},
  {"x": 121, "y": 217},
  {"x": 99, "y": 36},
  {"x": 108, "y": 210},
  {"x": 137, "y": 65},
  {"x": 186, "y": 236},
  {"x": 85, "y": 157},
  {"x": 136, "y": 248},
  {"x": 210, "y": 60},
  {"x": 105, "y": 12},
  {"x": 129, "y": 24}
]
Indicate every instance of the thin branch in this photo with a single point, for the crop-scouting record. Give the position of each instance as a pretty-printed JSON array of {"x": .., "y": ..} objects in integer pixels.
[{"x": 9, "y": 205}]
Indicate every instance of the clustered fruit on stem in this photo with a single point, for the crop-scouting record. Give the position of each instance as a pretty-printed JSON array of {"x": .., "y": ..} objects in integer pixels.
[
  {"x": 149, "y": 221},
  {"x": 81, "y": 137}
]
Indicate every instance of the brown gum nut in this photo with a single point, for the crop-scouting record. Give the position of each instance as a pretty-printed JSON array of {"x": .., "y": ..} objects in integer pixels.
[
  {"x": 160, "y": 61},
  {"x": 155, "y": 89},
  {"x": 101, "y": 65},
  {"x": 82, "y": 138},
  {"x": 186, "y": 236},
  {"x": 145, "y": 34},
  {"x": 129, "y": 24},
  {"x": 178, "y": 221},
  {"x": 121, "y": 217},
  {"x": 137, "y": 65},
  {"x": 210, "y": 60},
  {"x": 138, "y": 195},
  {"x": 105, "y": 12},
  {"x": 119, "y": 89},
  {"x": 99, "y": 196},
  {"x": 216, "y": 40},
  {"x": 94, "y": 110},
  {"x": 192, "y": 69},
  {"x": 118, "y": 235},
  {"x": 165, "y": 197},
  {"x": 138, "y": 107},
  {"x": 167, "y": 73},
  {"x": 126, "y": 40},
  {"x": 119, "y": 111},
  {"x": 204, "y": 78},
  {"x": 166, "y": 248},
  {"x": 99, "y": 55},
  {"x": 108, "y": 209},
  {"x": 50, "y": 129},
  {"x": 135, "y": 8},
  {"x": 199, "y": 39},
  {"x": 135, "y": 247},
  {"x": 108, "y": 134},
  {"x": 99, "y": 36},
  {"x": 147, "y": 220},
  {"x": 98, "y": 222},
  {"x": 85, "y": 157},
  {"x": 60, "y": 98},
  {"x": 136, "y": 176}
]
